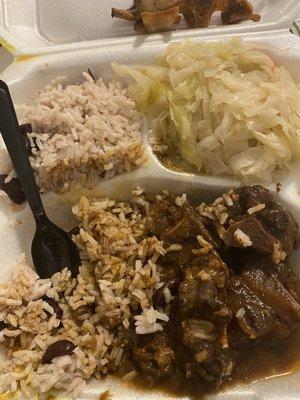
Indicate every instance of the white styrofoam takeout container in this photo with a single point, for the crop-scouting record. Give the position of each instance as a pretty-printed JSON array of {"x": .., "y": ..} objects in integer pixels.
[{"x": 65, "y": 37}]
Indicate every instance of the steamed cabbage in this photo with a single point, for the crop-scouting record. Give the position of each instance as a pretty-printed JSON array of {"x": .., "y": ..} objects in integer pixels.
[{"x": 224, "y": 108}]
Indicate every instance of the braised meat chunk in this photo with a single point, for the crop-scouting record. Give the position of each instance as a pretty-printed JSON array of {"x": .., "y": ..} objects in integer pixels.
[
  {"x": 173, "y": 223},
  {"x": 262, "y": 307},
  {"x": 255, "y": 219},
  {"x": 274, "y": 294},
  {"x": 274, "y": 217},
  {"x": 228, "y": 289},
  {"x": 200, "y": 292},
  {"x": 154, "y": 356},
  {"x": 181, "y": 226},
  {"x": 249, "y": 232}
]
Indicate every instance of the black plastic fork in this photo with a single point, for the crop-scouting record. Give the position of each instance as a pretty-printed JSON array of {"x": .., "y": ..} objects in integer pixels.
[{"x": 52, "y": 248}]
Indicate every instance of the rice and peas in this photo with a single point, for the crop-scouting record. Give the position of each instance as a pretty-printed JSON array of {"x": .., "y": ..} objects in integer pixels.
[
  {"x": 117, "y": 278},
  {"x": 80, "y": 134},
  {"x": 83, "y": 133}
]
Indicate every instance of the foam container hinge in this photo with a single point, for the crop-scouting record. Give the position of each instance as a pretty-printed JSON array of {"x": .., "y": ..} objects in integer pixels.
[
  {"x": 43, "y": 26},
  {"x": 32, "y": 29}
]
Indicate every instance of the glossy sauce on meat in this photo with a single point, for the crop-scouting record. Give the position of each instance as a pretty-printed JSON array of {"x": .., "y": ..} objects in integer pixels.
[
  {"x": 234, "y": 313},
  {"x": 265, "y": 362}
]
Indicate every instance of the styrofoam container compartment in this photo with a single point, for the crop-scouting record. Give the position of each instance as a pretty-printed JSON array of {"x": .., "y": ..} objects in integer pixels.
[{"x": 61, "y": 37}]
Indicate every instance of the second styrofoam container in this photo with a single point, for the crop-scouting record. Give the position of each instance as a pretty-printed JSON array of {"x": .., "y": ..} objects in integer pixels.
[{"x": 43, "y": 26}]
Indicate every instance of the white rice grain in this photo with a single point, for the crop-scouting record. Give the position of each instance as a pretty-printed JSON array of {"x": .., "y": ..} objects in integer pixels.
[
  {"x": 256, "y": 208},
  {"x": 243, "y": 239}
]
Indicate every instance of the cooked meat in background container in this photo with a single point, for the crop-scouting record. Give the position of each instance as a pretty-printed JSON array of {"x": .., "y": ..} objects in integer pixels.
[{"x": 152, "y": 16}]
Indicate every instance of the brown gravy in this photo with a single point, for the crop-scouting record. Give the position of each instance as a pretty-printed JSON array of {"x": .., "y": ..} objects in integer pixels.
[
  {"x": 269, "y": 361},
  {"x": 264, "y": 362}
]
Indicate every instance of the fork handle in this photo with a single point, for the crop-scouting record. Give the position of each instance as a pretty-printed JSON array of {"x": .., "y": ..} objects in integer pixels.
[{"x": 15, "y": 145}]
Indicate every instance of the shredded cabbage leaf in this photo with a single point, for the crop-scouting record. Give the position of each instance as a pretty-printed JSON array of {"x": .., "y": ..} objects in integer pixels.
[{"x": 224, "y": 108}]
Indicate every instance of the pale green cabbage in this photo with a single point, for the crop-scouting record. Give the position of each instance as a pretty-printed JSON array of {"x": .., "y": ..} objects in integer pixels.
[{"x": 224, "y": 107}]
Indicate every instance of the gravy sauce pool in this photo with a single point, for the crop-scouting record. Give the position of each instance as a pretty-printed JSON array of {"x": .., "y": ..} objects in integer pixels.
[
  {"x": 269, "y": 361},
  {"x": 264, "y": 362}
]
